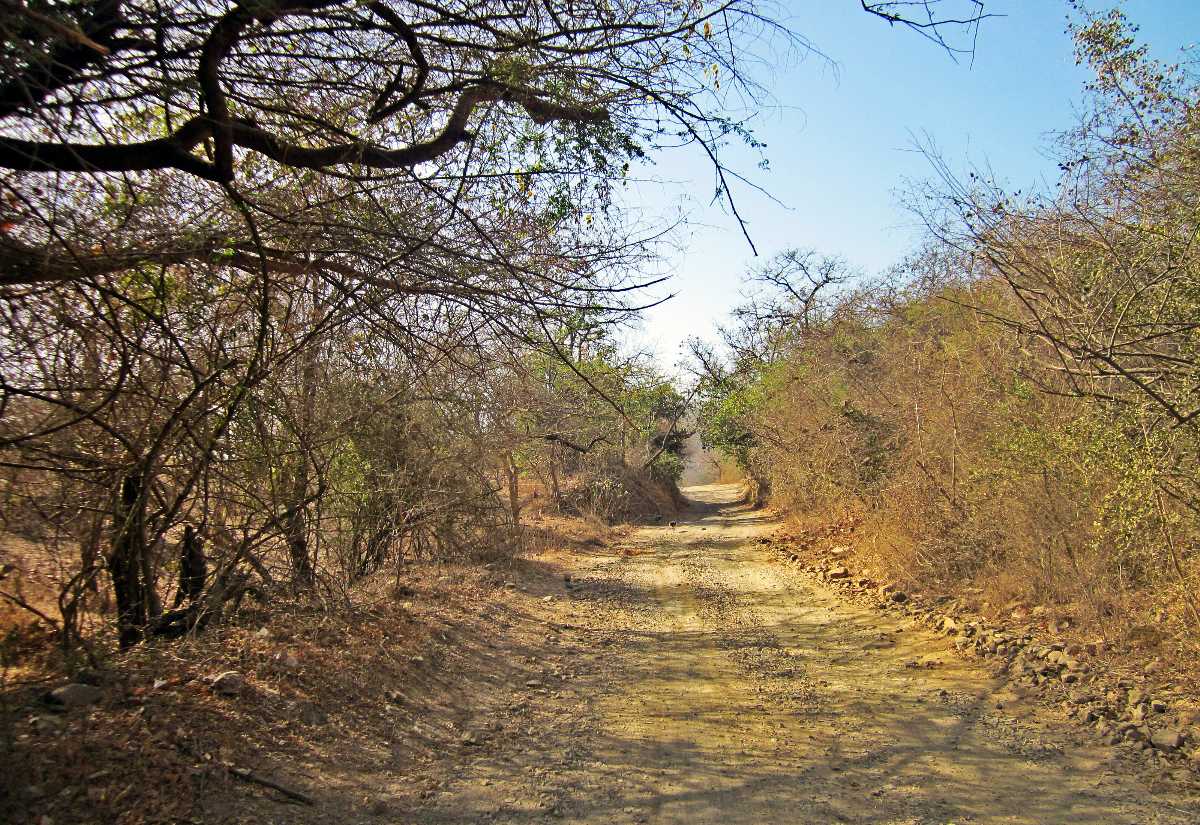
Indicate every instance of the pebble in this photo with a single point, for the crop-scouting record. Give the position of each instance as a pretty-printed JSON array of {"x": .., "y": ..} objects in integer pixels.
[
  {"x": 46, "y": 724},
  {"x": 75, "y": 695},
  {"x": 229, "y": 683},
  {"x": 1167, "y": 740},
  {"x": 1056, "y": 670}
]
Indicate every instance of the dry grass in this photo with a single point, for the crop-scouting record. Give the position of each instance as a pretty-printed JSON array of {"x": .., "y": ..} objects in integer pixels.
[
  {"x": 1136, "y": 632},
  {"x": 916, "y": 426}
]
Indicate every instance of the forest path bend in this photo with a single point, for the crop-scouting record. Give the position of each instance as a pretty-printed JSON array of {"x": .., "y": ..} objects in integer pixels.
[{"x": 692, "y": 677}]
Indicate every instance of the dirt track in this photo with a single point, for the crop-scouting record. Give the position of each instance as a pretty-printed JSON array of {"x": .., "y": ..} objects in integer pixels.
[{"x": 700, "y": 680}]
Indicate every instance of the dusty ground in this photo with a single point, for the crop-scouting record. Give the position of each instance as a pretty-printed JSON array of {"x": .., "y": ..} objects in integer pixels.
[
  {"x": 671, "y": 674},
  {"x": 694, "y": 678}
]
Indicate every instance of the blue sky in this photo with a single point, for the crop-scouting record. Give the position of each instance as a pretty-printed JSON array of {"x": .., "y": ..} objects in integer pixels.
[{"x": 840, "y": 141}]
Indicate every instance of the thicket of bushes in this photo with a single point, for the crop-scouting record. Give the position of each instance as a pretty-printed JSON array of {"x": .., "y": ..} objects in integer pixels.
[
  {"x": 1017, "y": 407},
  {"x": 348, "y": 462}
]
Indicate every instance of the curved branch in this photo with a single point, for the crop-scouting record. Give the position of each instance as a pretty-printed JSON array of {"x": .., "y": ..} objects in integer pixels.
[
  {"x": 220, "y": 40},
  {"x": 171, "y": 152},
  {"x": 555, "y": 438},
  {"x": 379, "y": 111},
  {"x": 216, "y": 48},
  {"x": 174, "y": 151},
  {"x": 250, "y": 136}
]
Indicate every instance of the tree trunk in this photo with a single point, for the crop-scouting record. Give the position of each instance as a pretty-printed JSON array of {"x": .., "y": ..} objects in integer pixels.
[
  {"x": 193, "y": 568},
  {"x": 126, "y": 562},
  {"x": 89, "y": 553},
  {"x": 555, "y": 490},
  {"x": 514, "y": 493},
  {"x": 296, "y": 528}
]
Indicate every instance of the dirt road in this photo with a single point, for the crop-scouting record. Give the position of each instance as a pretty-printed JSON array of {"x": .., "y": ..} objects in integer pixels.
[{"x": 694, "y": 678}]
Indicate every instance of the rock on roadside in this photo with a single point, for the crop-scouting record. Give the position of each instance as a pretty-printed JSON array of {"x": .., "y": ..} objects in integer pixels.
[
  {"x": 1112, "y": 708},
  {"x": 75, "y": 695},
  {"x": 1167, "y": 740},
  {"x": 229, "y": 683}
]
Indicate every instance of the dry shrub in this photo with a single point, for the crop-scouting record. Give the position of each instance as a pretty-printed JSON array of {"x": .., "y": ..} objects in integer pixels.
[
  {"x": 910, "y": 413},
  {"x": 616, "y": 493}
]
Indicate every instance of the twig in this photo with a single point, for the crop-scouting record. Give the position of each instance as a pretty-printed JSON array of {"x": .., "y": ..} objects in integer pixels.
[
  {"x": 247, "y": 775},
  {"x": 71, "y": 34},
  {"x": 19, "y": 602}
]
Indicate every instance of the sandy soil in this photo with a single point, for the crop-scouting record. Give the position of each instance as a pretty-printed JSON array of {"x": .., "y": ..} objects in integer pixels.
[{"x": 689, "y": 676}]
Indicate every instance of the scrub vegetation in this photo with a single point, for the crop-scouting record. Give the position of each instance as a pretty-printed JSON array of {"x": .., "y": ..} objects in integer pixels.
[
  {"x": 1013, "y": 411},
  {"x": 331, "y": 474}
]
